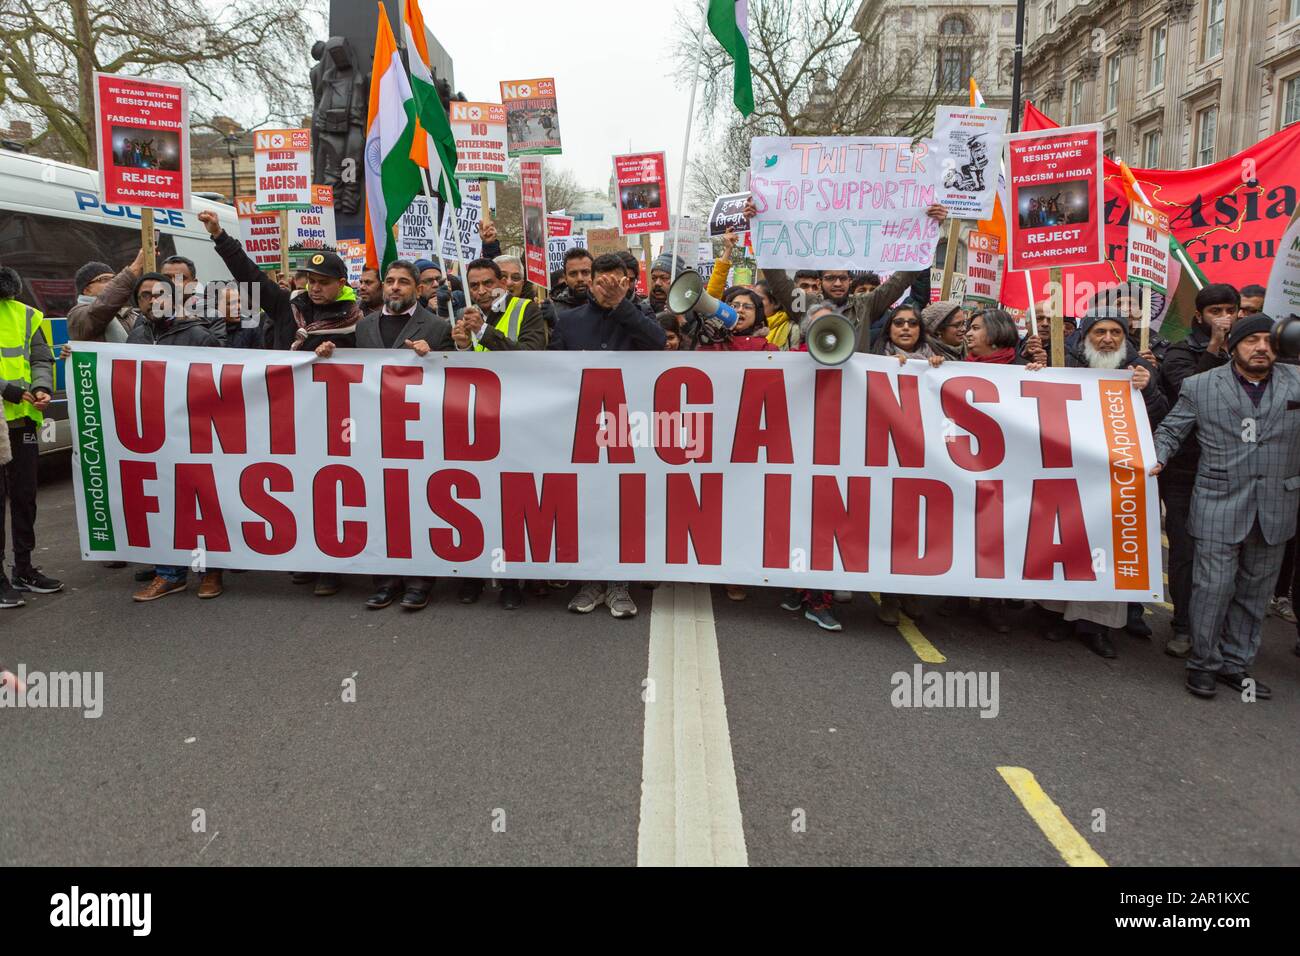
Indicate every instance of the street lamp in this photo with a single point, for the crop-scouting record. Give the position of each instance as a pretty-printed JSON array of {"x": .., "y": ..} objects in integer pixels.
[{"x": 231, "y": 140}]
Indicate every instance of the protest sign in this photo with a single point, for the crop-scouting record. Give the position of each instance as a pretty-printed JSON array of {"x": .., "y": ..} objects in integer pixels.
[
  {"x": 728, "y": 212},
  {"x": 558, "y": 224},
  {"x": 1148, "y": 246},
  {"x": 313, "y": 228},
  {"x": 417, "y": 232},
  {"x": 981, "y": 480},
  {"x": 967, "y": 145},
  {"x": 259, "y": 232},
  {"x": 1056, "y": 215},
  {"x": 984, "y": 261},
  {"x": 557, "y": 246},
  {"x": 282, "y": 168},
  {"x": 353, "y": 252},
  {"x": 462, "y": 226},
  {"x": 956, "y": 290},
  {"x": 480, "y": 131},
  {"x": 532, "y": 117},
  {"x": 532, "y": 192},
  {"x": 601, "y": 241},
  {"x": 842, "y": 202},
  {"x": 143, "y": 132},
  {"x": 641, "y": 191},
  {"x": 1282, "y": 297}
]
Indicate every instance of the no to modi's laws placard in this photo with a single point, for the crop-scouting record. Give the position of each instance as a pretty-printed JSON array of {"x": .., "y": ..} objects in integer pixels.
[
  {"x": 983, "y": 480},
  {"x": 1056, "y": 211},
  {"x": 143, "y": 130}
]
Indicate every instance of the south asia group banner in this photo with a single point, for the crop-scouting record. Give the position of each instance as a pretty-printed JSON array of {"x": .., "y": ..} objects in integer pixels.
[{"x": 988, "y": 481}]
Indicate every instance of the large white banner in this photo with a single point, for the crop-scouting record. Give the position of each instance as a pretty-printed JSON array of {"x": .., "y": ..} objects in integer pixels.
[
  {"x": 843, "y": 202},
  {"x": 966, "y": 479}
]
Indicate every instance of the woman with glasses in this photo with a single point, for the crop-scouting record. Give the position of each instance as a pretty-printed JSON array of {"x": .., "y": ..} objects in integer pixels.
[{"x": 904, "y": 337}]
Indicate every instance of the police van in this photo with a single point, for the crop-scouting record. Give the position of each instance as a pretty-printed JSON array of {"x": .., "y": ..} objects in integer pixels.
[{"x": 52, "y": 223}]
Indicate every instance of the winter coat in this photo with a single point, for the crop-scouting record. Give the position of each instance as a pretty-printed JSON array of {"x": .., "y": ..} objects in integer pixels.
[
  {"x": 191, "y": 332},
  {"x": 1157, "y": 401},
  {"x": 624, "y": 328},
  {"x": 90, "y": 321}
]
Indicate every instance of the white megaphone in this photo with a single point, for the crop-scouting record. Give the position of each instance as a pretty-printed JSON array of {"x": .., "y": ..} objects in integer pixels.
[
  {"x": 831, "y": 338},
  {"x": 688, "y": 293}
]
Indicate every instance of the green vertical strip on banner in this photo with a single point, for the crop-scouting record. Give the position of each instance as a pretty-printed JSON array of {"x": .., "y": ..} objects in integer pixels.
[{"x": 90, "y": 451}]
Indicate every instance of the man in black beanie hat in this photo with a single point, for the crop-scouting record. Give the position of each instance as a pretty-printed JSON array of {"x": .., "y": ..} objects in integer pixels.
[
  {"x": 103, "y": 297},
  {"x": 1244, "y": 503}
]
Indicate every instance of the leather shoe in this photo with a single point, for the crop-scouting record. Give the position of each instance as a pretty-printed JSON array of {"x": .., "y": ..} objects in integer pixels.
[
  {"x": 414, "y": 599},
  {"x": 210, "y": 586},
  {"x": 1099, "y": 644},
  {"x": 470, "y": 590},
  {"x": 1138, "y": 627},
  {"x": 1238, "y": 683},
  {"x": 1201, "y": 683},
  {"x": 327, "y": 585},
  {"x": 382, "y": 597},
  {"x": 511, "y": 597},
  {"x": 302, "y": 577}
]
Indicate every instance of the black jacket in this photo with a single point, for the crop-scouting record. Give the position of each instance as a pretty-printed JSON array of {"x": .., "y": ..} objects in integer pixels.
[
  {"x": 193, "y": 332},
  {"x": 422, "y": 324},
  {"x": 1184, "y": 359},
  {"x": 279, "y": 304},
  {"x": 1157, "y": 402},
  {"x": 590, "y": 328}
]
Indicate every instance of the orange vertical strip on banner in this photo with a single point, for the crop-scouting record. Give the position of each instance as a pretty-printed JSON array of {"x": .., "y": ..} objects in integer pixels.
[{"x": 1128, "y": 486}]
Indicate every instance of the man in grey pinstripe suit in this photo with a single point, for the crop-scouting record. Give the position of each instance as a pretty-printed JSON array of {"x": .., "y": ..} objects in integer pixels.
[{"x": 1247, "y": 420}]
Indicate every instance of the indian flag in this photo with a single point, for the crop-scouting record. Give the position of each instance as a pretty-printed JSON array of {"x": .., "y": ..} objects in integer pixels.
[
  {"x": 434, "y": 146},
  {"x": 997, "y": 223},
  {"x": 392, "y": 179},
  {"x": 729, "y": 22}
]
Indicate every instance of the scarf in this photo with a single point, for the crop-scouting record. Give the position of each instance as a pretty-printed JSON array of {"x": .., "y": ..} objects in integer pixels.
[
  {"x": 778, "y": 329},
  {"x": 1000, "y": 357},
  {"x": 922, "y": 352},
  {"x": 340, "y": 321}
]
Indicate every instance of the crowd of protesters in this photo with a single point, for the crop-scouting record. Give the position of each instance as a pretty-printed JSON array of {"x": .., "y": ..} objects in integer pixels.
[{"x": 1219, "y": 595}]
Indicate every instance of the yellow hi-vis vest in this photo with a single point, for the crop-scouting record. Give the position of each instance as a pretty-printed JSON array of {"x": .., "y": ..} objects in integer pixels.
[
  {"x": 511, "y": 319},
  {"x": 18, "y": 324}
]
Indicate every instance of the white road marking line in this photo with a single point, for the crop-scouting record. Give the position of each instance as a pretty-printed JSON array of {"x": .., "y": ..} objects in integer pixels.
[{"x": 690, "y": 808}]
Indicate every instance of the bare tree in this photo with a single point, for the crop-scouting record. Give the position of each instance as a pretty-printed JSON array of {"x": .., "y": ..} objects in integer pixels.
[
  {"x": 562, "y": 190},
  {"x": 820, "y": 67},
  {"x": 237, "y": 48}
]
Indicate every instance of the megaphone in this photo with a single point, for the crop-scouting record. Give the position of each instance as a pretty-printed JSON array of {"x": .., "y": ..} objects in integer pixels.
[
  {"x": 831, "y": 338},
  {"x": 1286, "y": 337},
  {"x": 688, "y": 293}
]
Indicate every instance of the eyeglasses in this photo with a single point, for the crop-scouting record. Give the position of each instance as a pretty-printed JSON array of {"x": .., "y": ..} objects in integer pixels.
[{"x": 906, "y": 323}]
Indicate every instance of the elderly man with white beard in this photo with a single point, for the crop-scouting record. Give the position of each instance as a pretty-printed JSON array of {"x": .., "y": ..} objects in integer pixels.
[{"x": 1104, "y": 344}]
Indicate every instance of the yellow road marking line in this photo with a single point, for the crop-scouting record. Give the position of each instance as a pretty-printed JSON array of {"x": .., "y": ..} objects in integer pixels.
[
  {"x": 915, "y": 639},
  {"x": 1074, "y": 849}
]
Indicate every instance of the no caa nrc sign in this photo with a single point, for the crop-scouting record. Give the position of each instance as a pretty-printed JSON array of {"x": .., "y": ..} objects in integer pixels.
[{"x": 965, "y": 479}]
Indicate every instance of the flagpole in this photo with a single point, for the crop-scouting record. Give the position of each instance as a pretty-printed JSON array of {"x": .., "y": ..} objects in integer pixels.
[
  {"x": 437, "y": 244},
  {"x": 686, "y": 153},
  {"x": 460, "y": 250}
]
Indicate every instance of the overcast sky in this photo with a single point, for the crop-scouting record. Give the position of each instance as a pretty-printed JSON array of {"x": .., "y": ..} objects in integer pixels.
[{"x": 612, "y": 64}]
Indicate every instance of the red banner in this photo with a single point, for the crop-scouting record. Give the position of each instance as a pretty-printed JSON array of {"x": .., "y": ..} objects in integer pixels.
[
  {"x": 1229, "y": 216},
  {"x": 144, "y": 141}
]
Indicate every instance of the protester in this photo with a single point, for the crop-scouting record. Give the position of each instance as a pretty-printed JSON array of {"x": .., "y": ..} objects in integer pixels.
[
  {"x": 430, "y": 280},
  {"x": 102, "y": 312},
  {"x": 27, "y": 387},
  {"x": 1252, "y": 300},
  {"x": 945, "y": 328},
  {"x": 1245, "y": 503},
  {"x": 184, "y": 275},
  {"x": 164, "y": 321},
  {"x": 370, "y": 289},
  {"x": 1217, "y": 309},
  {"x": 903, "y": 337},
  {"x": 577, "y": 279},
  {"x": 1104, "y": 344},
  {"x": 402, "y": 323},
  {"x": 808, "y": 281},
  {"x": 661, "y": 278},
  {"x": 668, "y": 322},
  {"x": 864, "y": 282},
  {"x": 243, "y": 331},
  {"x": 633, "y": 267},
  {"x": 497, "y": 321},
  {"x": 991, "y": 337},
  {"x": 608, "y": 322},
  {"x": 781, "y": 332}
]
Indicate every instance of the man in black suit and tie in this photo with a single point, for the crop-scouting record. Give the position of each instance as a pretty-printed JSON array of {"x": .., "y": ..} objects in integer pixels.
[
  {"x": 1247, "y": 419},
  {"x": 402, "y": 323}
]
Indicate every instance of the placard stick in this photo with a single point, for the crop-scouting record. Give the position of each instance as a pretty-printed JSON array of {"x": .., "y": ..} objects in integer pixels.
[
  {"x": 147, "y": 241},
  {"x": 950, "y": 258},
  {"x": 284, "y": 242},
  {"x": 645, "y": 254},
  {"x": 1058, "y": 324},
  {"x": 1144, "y": 337}
]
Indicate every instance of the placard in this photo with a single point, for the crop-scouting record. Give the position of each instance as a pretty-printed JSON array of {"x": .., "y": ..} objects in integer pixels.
[
  {"x": 601, "y": 241},
  {"x": 984, "y": 267},
  {"x": 532, "y": 191},
  {"x": 558, "y": 224},
  {"x": 259, "y": 232},
  {"x": 353, "y": 252},
  {"x": 532, "y": 116},
  {"x": 843, "y": 202},
  {"x": 968, "y": 144},
  {"x": 282, "y": 168},
  {"x": 641, "y": 192},
  {"x": 480, "y": 131},
  {"x": 558, "y": 246},
  {"x": 1056, "y": 213},
  {"x": 417, "y": 232},
  {"x": 1282, "y": 298},
  {"x": 143, "y": 131},
  {"x": 463, "y": 226},
  {"x": 1148, "y": 246},
  {"x": 729, "y": 212},
  {"x": 313, "y": 228}
]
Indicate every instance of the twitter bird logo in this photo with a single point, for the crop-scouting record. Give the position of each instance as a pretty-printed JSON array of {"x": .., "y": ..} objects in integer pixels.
[{"x": 769, "y": 162}]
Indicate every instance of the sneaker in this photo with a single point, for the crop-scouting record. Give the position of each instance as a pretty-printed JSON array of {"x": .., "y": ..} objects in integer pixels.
[
  {"x": 620, "y": 603},
  {"x": 792, "y": 601},
  {"x": 822, "y": 617},
  {"x": 887, "y": 613},
  {"x": 842, "y": 597},
  {"x": 588, "y": 596},
  {"x": 327, "y": 585},
  {"x": 1180, "y": 645},
  {"x": 1281, "y": 607},
  {"x": 8, "y": 596},
  {"x": 912, "y": 606},
  {"x": 31, "y": 579},
  {"x": 159, "y": 587}
]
